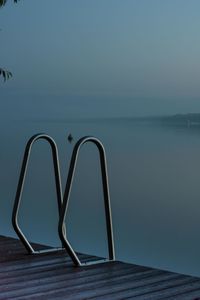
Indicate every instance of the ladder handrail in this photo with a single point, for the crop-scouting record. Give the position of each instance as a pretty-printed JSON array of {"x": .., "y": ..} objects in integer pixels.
[
  {"x": 17, "y": 202},
  {"x": 66, "y": 197}
]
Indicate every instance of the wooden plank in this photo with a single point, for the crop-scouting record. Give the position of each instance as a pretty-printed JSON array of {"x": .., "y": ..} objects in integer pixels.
[
  {"x": 90, "y": 285},
  {"x": 185, "y": 295},
  {"x": 53, "y": 276}
]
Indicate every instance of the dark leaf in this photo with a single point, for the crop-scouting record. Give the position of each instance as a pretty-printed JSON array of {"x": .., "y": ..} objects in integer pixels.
[
  {"x": 3, "y": 2},
  {"x": 5, "y": 74}
]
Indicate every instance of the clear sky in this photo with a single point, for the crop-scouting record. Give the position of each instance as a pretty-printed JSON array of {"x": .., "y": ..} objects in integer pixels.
[{"x": 94, "y": 57}]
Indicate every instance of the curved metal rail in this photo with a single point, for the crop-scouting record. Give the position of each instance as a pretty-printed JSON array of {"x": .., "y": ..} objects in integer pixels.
[
  {"x": 107, "y": 205},
  {"x": 20, "y": 187}
]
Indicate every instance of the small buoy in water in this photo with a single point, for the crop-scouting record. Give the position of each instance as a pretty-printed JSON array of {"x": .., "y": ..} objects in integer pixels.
[{"x": 70, "y": 138}]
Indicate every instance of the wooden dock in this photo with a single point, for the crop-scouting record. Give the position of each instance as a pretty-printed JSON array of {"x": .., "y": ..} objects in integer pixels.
[{"x": 53, "y": 276}]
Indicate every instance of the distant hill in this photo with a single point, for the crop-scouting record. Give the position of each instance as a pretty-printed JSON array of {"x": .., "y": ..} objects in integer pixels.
[
  {"x": 182, "y": 119},
  {"x": 189, "y": 119}
]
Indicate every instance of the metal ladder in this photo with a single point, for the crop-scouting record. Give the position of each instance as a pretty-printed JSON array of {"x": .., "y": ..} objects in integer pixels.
[
  {"x": 66, "y": 198},
  {"x": 20, "y": 187},
  {"x": 63, "y": 205}
]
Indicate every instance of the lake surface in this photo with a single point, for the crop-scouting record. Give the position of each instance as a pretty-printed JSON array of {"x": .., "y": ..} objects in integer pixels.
[{"x": 154, "y": 174}]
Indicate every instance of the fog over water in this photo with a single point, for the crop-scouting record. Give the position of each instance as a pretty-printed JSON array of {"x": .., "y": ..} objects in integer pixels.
[{"x": 95, "y": 58}]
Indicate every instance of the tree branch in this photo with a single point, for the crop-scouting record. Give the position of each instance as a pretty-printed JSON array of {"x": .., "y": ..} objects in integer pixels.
[{"x": 4, "y": 73}]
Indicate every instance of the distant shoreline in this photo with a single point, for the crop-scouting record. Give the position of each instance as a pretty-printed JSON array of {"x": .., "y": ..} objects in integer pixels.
[{"x": 189, "y": 119}]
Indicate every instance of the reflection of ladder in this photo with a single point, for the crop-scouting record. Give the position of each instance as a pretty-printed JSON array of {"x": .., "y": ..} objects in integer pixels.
[{"x": 62, "y": 206}]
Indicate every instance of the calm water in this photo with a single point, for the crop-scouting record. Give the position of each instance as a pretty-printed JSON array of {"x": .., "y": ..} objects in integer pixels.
[{"x": 154, "y": 175}]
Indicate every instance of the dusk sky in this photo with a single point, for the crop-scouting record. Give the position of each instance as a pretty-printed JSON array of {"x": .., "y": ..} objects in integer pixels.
[{"x": 75, "y": 58}]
